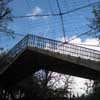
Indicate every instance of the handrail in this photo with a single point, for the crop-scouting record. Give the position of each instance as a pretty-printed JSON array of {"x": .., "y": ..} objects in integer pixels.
[{"x": 14, "y": 52}]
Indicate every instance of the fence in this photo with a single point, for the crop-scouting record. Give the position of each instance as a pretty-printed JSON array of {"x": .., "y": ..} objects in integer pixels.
[{"x": 51, "y": 45}]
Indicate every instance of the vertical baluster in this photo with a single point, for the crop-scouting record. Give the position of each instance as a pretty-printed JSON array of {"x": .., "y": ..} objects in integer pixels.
[
  {"x": 33, "y": 41},
  {"x": 71, "y": 49}
]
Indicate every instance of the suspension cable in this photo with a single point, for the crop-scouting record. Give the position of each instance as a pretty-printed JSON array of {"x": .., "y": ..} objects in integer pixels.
[
  {"x": 56, "y": 14},
  {"x": 62, "y": 21}
]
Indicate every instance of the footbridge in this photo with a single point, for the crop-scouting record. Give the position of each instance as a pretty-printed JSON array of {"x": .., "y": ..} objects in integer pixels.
[{"x": 34, "y": 52}]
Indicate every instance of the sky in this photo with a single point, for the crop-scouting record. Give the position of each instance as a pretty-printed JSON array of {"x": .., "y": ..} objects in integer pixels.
[
  {"x": 74, "y": 23},
  {"x": 49, "y": 26}
]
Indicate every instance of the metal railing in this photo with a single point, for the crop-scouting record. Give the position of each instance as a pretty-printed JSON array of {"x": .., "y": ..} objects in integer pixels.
[
  {"x": 66, "y": 49},
  {"x": 15, "y": 51},
  {"x": 52, "y": 46}
]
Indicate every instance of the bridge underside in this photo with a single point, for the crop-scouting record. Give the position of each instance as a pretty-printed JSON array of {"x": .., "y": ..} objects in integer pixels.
[{"x": 31, "y": 61}]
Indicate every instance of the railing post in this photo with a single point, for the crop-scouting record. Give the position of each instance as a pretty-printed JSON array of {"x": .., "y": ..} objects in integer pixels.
[{"x": 27, "y": 40}]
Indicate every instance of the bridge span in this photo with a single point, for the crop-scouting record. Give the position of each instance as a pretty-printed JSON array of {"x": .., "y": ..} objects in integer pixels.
[{"x": 34, "y": 52}]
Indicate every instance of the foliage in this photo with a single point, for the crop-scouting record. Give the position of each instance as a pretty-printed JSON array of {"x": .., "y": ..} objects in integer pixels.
[
  {"x": 93, "y": 96},
  {"x": 45, "y": 85},
  {"x": 38, "y": 87}
]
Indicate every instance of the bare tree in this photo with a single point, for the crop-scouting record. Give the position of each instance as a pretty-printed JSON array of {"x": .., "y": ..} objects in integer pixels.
[
  {"x": 89, "y": 86},
  {"x": 5, "y": 17},
  {"x": 50, "y": 85},
  {"x": 95, "y": 21}
]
